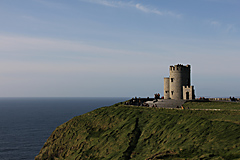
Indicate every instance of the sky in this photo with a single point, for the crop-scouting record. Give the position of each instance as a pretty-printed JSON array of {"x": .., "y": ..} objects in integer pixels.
[{"x": 117, "y": 48}]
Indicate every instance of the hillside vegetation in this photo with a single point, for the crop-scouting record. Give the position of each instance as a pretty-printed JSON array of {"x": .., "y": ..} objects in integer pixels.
[{"x": 129, "y": 132}]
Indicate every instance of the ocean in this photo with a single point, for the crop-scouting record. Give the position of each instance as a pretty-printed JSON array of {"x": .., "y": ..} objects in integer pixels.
[{"x": 26, "y": 123}]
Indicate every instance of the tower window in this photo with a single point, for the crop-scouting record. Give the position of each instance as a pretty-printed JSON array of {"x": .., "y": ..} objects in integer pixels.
[
  {"x": 172, "y": 92},
  {"x": 171, "y": 79}
]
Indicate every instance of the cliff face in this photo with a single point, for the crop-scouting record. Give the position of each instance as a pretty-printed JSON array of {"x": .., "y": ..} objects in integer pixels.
[{"x": 127, "y": 132}]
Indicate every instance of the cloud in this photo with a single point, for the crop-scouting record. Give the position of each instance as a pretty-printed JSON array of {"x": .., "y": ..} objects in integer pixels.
[
  {"x": 225, "y": 28},
  {"x": 156, "y": 11},
  {"x": 29, "y": 46},
  {"x": 103, "y": 2},
  {"x": 143, "y": 8},
  {"x": 21, "y": 54},
  {"x": 230, "y": 28},
  {"x": 147, "y": 10},
  {"x": 110, "y": 3},
  {"x": 215, "y": 23},
  {"x": 24, "y": 56}
]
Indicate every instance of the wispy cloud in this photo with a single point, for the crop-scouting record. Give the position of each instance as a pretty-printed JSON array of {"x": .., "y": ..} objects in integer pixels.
[
  {"x": 102, "y": 2},
  {"x": 21, "y": 45},
  {"x": 138, "y": 6},
  {"x": 110, "y": 3},
  {"x": 222, "y": 26},
  {"x": 156, "y": 11},
  {"x": 148, "y": 10},
  {"x": 215, "y": 23},
  {"x": 231, "y": 28},
  {"x": 43, "y": 55}
]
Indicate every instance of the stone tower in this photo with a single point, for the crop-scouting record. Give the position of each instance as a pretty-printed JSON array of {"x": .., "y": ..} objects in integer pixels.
[{"x": 178, "y": 84}]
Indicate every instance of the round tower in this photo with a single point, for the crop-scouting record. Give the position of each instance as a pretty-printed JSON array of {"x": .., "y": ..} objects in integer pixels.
[
  {"x": 166, "y": 88},
  {"x": 179, "y": 77}
]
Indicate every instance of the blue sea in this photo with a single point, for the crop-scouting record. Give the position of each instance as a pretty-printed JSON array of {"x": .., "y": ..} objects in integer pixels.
[{"x": 26, "y": 123}]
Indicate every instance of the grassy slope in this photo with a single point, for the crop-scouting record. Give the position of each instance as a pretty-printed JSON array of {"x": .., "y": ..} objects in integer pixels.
[
  {"x": 214, "y": 105},
  {"x": 124, "y": 132}
]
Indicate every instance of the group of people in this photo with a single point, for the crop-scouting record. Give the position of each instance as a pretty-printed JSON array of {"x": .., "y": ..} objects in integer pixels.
[
  {"x": 137, "y": 101},
  {"x": 157, "y": 96},
  {"x": 233, "y": 99}
]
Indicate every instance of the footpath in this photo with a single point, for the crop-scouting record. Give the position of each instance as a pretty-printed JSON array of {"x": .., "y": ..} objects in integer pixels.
[{"x": 166, "y": 103}]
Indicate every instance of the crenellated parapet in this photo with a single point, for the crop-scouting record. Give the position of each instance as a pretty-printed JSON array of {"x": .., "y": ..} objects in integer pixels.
[
  {"x": 188, "y": 87},
  {"x": 179, "y": 68}
]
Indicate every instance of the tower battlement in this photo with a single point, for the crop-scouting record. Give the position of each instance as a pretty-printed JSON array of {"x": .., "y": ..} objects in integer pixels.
[
  {"x": 187, "y": 87},
  {"x": 180, "y": 67}
]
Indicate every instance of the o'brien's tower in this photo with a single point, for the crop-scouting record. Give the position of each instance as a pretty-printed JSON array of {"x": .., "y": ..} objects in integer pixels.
[{"x": 178, "y": 85}]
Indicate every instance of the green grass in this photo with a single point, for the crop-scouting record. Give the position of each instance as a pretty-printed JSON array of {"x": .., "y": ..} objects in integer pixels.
[
  {"x": 124, "y": 132},
  {"x": 213, "y": 105}
]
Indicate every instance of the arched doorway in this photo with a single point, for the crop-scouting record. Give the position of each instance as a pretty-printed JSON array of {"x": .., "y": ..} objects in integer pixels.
[{"x": 187, "y": 95}]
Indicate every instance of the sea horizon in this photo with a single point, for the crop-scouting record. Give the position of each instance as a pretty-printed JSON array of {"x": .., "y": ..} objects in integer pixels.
[{"x": 27, "y": 122}]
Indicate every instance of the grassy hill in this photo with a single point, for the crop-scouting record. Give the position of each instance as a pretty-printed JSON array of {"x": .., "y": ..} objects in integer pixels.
[{"x": 129, "y": 132}]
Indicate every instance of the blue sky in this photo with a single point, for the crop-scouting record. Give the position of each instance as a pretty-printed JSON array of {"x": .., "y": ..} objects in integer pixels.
[{"x": 109, "y": 48}]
